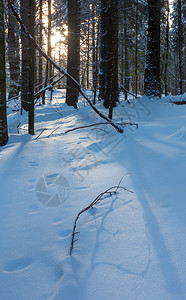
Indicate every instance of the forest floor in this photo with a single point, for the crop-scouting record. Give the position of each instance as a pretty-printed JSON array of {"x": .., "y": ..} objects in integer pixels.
[{"x": 130, "y": 245}]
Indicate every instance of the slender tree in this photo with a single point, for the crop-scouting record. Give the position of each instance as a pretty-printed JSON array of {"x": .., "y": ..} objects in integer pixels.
[
  {"x": 167, "y": 47},
  {"x": 40, "y": 41},
  {"x": 73, "y": 60},
  {"x": 3, "y": 116},
  {"x": 13, "y": 55},
  {"x": 152, "y": 84}
]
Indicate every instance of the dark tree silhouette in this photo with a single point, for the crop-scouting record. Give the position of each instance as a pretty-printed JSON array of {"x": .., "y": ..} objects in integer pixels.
[{"x": 152, "y": 84}]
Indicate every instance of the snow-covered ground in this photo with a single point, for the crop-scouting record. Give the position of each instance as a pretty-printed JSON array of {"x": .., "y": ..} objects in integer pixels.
[{"x": 131, "y": 246}]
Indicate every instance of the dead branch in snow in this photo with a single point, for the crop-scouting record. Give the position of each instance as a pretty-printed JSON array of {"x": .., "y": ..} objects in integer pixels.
[
  {"x": 86, "y": 126},
  {"x": 112, "y": 190},
  {"x": 41, "y": 51},
  {"x": 40, "y": 133},
  {"x": 103, "y": 123}
]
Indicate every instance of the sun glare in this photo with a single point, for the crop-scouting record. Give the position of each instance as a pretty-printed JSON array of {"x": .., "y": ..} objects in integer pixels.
[{"x": 56, "y": 38}]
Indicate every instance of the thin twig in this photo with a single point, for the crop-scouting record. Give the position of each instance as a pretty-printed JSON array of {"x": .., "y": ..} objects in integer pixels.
[
  {"x": 40, "y": 133},
  {"x": 112, "y": 190},
  {"x": 54, "y": 131}
]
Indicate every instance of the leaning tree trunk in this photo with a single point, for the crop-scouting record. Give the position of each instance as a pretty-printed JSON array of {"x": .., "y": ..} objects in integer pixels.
[
  {"x": 13, "y": 55},
  {"x": 152, "y": 84},
  {"x": 3, "y": 116},
  {"x": 109, "y": 54},
  {"x": 73, "y": 61}
]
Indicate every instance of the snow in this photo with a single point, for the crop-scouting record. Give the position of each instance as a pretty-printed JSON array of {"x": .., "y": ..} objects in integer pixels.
[{"x": 130, "y": 245}]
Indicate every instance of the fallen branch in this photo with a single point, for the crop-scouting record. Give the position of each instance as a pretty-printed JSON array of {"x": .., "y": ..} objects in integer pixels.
[
  {"x": 54, "y": 130},
  {"x": 128, "y": 123},
  {"x": 40, "y": 133},
  {"x": 41, "y": 51},
  {"x": 124, "y": 89},
  {"x": 103, "y": 123},
  {"x": 48, "y": 87},
  {"x": 86, "y": 126},
  {"x": 112, "y": 190}
]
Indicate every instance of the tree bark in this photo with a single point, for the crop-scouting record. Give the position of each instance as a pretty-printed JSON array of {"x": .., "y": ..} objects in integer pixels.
[
  {"x": 13, "y": 55},
  {"x": 3, "y": 115},
  {"x": 152, "y": 84},
  {"x": 109, "y": 54},
  {"x": 180, "y": 46},
  {"x": 167, "y": 49},
  {"x": 73, "y": 61},
  {"x": 24, "y": 7},
  {"x": 31, "y": 67}
]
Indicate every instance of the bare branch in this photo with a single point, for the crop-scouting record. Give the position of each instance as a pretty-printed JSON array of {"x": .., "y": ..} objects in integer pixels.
[
  {"x": 124, "y": 89},
  {"x": 86, "y": 126},
  {"x": 112, "y": 190},
  {"x": 48, "y": 87}
]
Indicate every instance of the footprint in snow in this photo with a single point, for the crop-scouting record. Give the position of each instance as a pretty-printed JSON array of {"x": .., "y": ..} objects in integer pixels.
[{"x": 18, "y": 265}]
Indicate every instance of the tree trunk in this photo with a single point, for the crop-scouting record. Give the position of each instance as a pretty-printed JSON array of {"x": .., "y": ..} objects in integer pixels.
[
  {"x": 152, "y": 83},
  {"x": 136, "y": 52},
  {"x": 73, "y": 61},
  {"x": 126, "y": 59},
  {"x": 13, "y": 55},
  {"x": 180, "y": 46},
  {"x": 184, "y": 30},
  {"x": 24, "y": 7},
  {"x": 31, "y": 67},
  {"x": 94, "y": 52},
  {"x": 109, "y": 54},
  {"x": 3, "y": 115},
  {"x": 167, "y": 49},
  {"x": 41, "y": 42}
]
